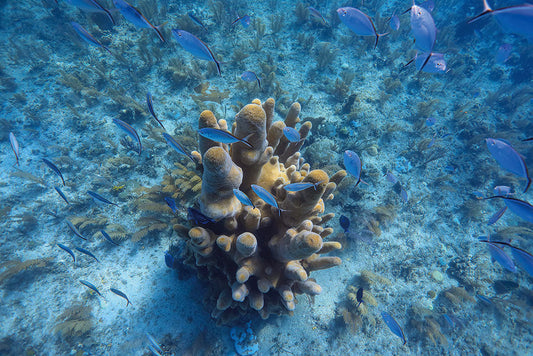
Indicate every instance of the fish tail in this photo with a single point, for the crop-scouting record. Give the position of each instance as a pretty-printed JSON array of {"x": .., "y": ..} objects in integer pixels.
[
  {"x": 378, "y": 35},
  {"x": 159, "y": 34},
  {"x": 486, "y": 10},
  {"x": 218, "y": 68}
]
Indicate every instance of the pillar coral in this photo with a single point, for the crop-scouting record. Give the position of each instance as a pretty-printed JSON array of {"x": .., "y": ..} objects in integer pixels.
[{"x": 260, "y": 257}]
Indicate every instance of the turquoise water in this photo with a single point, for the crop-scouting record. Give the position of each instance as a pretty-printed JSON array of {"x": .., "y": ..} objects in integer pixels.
[{"x": 412, "y": 245}]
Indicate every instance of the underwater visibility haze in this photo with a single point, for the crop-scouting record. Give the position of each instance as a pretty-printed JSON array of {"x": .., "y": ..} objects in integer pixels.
[{"x": 266, "y": 177}]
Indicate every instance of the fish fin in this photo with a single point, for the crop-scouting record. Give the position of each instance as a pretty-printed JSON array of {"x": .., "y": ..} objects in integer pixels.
[
  {"x": 486, "y": 10},
  {"x": 159, "y": 34},
  {"x": 411, "y": 61},
  {"x": 528, "y": 183}
]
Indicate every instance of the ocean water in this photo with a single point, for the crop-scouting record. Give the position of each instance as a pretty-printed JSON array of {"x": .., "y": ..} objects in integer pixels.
[{"x": 412, "y": 247}]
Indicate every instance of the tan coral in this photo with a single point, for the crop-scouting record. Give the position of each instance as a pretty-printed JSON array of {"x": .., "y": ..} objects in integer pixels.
[{"x": 261, "y": 257}]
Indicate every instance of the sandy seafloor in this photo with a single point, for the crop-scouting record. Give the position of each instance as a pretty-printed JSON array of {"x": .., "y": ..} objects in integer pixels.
[{"x": 58, "y": 96}]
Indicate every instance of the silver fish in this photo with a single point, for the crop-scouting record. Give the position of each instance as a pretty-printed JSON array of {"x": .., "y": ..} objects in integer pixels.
[{"x": 14, "y": 145}]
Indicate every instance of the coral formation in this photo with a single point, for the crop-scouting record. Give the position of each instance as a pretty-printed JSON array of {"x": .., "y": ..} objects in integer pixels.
[{"x": 260, "y": 257}]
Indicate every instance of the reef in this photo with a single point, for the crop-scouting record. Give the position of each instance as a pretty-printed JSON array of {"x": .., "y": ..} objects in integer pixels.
[{"x": 259, "y": 257}]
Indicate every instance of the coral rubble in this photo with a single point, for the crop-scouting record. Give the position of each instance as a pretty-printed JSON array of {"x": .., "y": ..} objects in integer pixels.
[{"x": 260, "y": 257}]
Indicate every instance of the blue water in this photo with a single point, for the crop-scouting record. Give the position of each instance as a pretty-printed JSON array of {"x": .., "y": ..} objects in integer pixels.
[{"x": 412, "y": 246}]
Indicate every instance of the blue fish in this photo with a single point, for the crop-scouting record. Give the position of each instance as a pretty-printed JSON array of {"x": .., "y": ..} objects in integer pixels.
[
  {"x": 121, "y": 294},
  {"x": 177, "y": 146},
  {"x": 74, "y": 230},
  {"x": 359, "y": 22},
  {"x": 391, "y": 177},
  {"x": 196, "y": 20},
  {"x": 243, "y": 198},
  {"x": 61, "y": 194},
  {"x": 195, "y": 46},
  {"x": 134, "y": 16},
  {"x": 14, "y": 146},
  {"x": 87, "y": 37},
  {"x": 291, "y": 134},
  {"x": 394, "y": 22},
  {"x": 345, "y": 223},
  {"x": 107, "y": 237},
  {"x": 497, "y": 215},
  {"x": 430, "y": 62},
  {"x": 522, "y": 257},
  {"x": 430, "y": 121},
  {"x": 68, "y": 250},
  {"x": 508, "y": 158},
  {"x": 243, "y": 20},
  {"x": 249, "y": 76},
  {"x": 171, "y": 204},
  {"x": 222, "y": 136},
  {"x": 404, "y": 195},
  {"x": 393, "y": 326},
  {"x": 55, "y": 169},
  {"x": 130, "y": 131},
  {"x": 91, "y": 6},
  {"x": 485, "y": 300},
  {"x": 423, "y": 28},
  {"x": 353, "y": 165},
  {"x": 154, "y": 343},
  {"x": 502, "y": 190},
  {"x": 516, "y": 19},
  {"x": 90, "y": 286},
  {"x": 501, "y": 257},
  {"x": 97, "y": 196},
  {"x": 169, "y": 259},
  {"x": 316, "y": 14},
  {"x": 504, "y": 51},
  {"x": 198, "y": 217},
  {"x": 86, "y": 252},
  {"x": 297, "y": 187},
  {"x": 268, "y": 198},
  {"x": 151, "y": 109}
]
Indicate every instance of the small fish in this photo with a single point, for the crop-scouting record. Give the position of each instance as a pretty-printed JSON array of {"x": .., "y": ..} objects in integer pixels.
[
  {"x": 404, "y": 195},
  {"x": 519, "y": 207},
  {"x": 243, "y": 198},
  {"x": 195, "y": 46},
  {"x": 87, "y": 37},
  {"x": 74, "y": 230},
  {"x": 423, "y": 28},
  {"x": 353, "y": 165},
  {"x": 14, "y": 146},
  {"x": 345, "y": 223},
  {"x": 169, "y": 259},
  {"x": 171, "y": 204},
  {"x": 177, "y": 146},
  {"x": 91, "y": 6},
  {"x": 151, "y": 109},
  {"x": 391, "y": 177},
  {"x": 266, "y": 196},
  {"x": 394, "y": 22},
  {"x": 316, "y": 14},
  {"x": 198, "y": 217},
  {"x": 433, "y": 63},
  {"x": 393, "y": 326},
  {"x": 61, "y": 194},
  {"x": 196, "y": 20},
  {"x": 432, "y": 142},
  {"x": 108, "y": 238},
  {"x": 430, "y": 121},
  {"x": 55, "y": 169},
  {"x": 97, "y": 196},
  {"x": 497, "y": 215},
  {"x": 133, "y": 15},
  {"x": 502, "y": 190},
  {"x": 504, "y": 52},
  {"x": 154, "y": 351},
  {"x": 516, "y": 19},
  {"x": 222, "y": 136},
  {"x": 121, "y": 294},
  {"x": 243, "y": 20},
  {"x": 359, "y": 22},
  {"x": 485, "y": 300},
  {"x": 508, "y": 158},
  {"x": 130, "y": 131},
  {"x": 154, "y": 343},
  {"x": 501, "y": 257},
  {"x": 87, "y": 252},
  {"x": 291, "y": 134},
  {"x": 297, "y": 187},
  {"x": 249, "y": 76},
  {"x": 522, "y": 257},
  {"x": 359, "y": 297},
  {"x": 68, "y": 250},
  {"x": 90, "y": 286}
]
